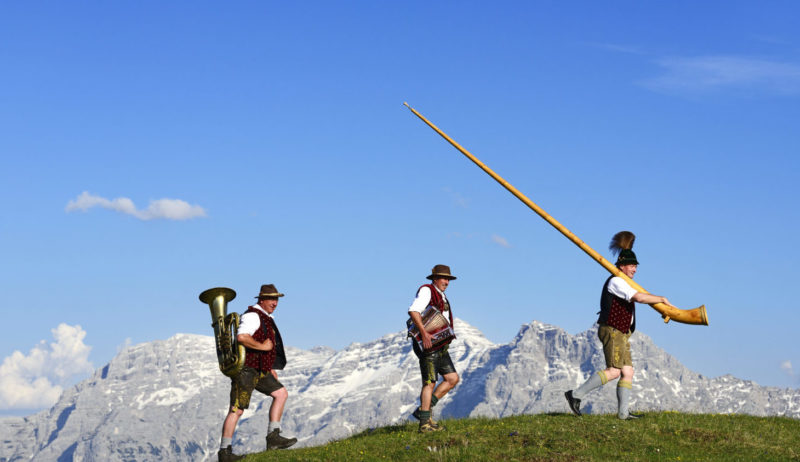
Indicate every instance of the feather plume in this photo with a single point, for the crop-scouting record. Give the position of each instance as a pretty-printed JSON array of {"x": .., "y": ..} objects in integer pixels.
[{"x": 621, "y": 240}]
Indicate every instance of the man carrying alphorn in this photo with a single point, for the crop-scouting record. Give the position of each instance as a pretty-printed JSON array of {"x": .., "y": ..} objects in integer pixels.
[{"x": 617, "y": 322}]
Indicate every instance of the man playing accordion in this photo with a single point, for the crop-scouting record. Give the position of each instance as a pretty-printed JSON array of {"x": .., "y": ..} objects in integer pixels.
[{"x": 433, "y": 359}]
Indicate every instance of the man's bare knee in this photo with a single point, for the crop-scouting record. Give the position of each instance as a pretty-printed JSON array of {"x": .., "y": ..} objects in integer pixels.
[
  {"x": 281, "y": 393},
  {"x": 453, "y": 379},
  {"x": 627, "y": 372},
  {"x": 612, "y": 373}
]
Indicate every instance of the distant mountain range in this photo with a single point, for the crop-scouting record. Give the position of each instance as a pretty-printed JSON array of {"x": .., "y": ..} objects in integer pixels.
[{"x": 165, "y": 400}]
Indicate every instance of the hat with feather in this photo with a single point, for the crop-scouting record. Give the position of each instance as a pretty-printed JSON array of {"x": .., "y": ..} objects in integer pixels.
[{"x": 622, "y": 245}]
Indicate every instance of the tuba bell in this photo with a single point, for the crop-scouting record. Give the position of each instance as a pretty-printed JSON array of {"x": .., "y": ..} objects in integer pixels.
[{"x": 226, "y": 326}]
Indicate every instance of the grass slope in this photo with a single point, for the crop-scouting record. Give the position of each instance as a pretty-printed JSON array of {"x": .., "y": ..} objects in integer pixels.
[{"x": 561, "y": 437}]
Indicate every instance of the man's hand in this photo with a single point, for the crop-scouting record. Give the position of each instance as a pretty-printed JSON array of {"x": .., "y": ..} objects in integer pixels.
[
  {"x": 425, "y": 336},
  {"x": 426, "y": 339},
  {"x": 248, "y": 341}
]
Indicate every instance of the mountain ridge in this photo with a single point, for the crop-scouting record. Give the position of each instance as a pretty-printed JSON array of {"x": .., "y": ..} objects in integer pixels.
[{"x": 166, "y": 399}]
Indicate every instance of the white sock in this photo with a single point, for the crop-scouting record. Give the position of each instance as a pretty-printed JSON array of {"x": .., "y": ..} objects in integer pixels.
[
  {"x": 225, "y": 442},
  {"x": 274, "y": 426}
]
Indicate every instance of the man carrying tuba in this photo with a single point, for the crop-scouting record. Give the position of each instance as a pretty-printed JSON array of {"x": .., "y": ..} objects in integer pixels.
[
  {"x": 259, "y": 334},
  {"x": 432, "y": 361},
  {"x": 617, "y": 322}
]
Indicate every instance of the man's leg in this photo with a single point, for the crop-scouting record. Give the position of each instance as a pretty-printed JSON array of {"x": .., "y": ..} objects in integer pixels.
[
  {"x": 225, "y": 453},
  {"x": 231, "y": 420},
  {"x": 624, "y": 388},
  {"x": 450, "y": 380},
  {"x": 425, "y": 396},
  {"x": 274, "y": 438},
  {"x": 278, "y": 402},
  {"x": 594, "y": 382}
]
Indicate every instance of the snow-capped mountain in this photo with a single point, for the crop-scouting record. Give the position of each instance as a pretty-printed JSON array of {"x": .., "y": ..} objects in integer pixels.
[{"x": 165, "y": 400}]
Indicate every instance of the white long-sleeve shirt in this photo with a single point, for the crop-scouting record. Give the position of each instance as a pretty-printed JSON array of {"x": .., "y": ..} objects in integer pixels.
[
  {"x": 424, "y": 299},
  {"x": 250, "y": 322},
  {"x": 619, "y": 287}
]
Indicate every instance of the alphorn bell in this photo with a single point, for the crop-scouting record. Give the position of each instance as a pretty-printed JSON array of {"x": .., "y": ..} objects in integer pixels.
[
  {"x": 694, "y": 316},
  {"x": 230, "y": 354}
]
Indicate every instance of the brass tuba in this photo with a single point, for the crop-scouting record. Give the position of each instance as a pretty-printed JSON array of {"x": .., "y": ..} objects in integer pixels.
[{"x": 229, "y": 353}]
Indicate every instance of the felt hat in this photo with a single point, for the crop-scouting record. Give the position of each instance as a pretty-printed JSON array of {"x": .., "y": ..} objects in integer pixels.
[{"x": 268, "y": 290}]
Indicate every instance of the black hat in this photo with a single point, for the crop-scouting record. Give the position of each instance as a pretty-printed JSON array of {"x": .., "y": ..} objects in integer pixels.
[{"x": 622, "y": 244}]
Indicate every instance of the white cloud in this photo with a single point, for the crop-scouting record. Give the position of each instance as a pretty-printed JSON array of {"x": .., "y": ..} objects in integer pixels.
[
  {"x": 457, "y": 198},
  {"x": 501, "y": 241},
  {"x": 709, "y": 73},
  {"x": 37, "y": 380},
  {"x": 168, "y": 209},
  {"x": 786, "y": 366}
]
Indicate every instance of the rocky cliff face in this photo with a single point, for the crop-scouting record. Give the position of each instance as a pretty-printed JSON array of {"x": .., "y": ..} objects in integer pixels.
[{"x": 153, "y": 403}]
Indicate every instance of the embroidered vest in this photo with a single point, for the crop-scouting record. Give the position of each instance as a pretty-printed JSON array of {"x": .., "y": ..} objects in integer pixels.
[
  {"x": 438, "y": 301},
  {"x": 616, "y": 311},
  {"x": 257, "y": 359}
]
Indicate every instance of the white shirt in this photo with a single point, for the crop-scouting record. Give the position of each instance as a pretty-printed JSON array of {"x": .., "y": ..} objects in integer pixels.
[
  {"x": 250, "y": 322},
  {"x": 619, "y": 287},
  {"x": 424, "y": 299}
]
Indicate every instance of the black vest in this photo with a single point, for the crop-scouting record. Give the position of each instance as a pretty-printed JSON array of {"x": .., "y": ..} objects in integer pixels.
[{"x": 616, "y": 311}]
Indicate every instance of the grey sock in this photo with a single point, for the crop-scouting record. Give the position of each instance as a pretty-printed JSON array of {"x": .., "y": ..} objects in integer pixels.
[
  {"x": 273, "y": 426},
  {"x": 225, "y": 442},
  {"x": 595, "y": 381},
  {"x": 624, "y": 398}
]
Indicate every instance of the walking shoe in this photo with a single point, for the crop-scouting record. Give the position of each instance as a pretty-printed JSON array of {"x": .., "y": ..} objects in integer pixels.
[
  {"x": 276, "y": 441},
  {"x": 429, "y": 426},
  {"x": 574, "y": 403},
  {"x": 632, "y": 416},
  {"x": 227, "y": 455}
]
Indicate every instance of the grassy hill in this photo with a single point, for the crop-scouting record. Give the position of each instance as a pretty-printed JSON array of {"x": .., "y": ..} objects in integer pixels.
[{"x": 562, "y": 437}]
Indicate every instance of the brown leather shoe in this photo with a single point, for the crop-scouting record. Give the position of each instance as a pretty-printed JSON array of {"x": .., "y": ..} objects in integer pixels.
[
  {"x": 276, "y": 441},
  {"x": 430, "y": 426}
]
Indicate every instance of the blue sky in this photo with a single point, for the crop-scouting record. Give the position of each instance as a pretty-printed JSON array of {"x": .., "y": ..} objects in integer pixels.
[{"x": 151, "y": 151}]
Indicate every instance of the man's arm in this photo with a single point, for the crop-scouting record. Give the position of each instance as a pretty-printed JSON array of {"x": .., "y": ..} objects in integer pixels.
[
  {"x": 426, "y": 337},
  {"x": 641, "y": 297},
  {"x": 249, "y": 342}
]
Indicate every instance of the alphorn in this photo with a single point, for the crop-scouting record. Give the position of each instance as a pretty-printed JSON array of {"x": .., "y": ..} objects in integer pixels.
[{"x": 695, "y": 316}]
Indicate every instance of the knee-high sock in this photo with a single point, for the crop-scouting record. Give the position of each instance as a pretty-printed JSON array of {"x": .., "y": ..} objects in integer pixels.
[
  {"x": 225, "y": 442},
  {"x": 624, "y": 398},
  {"x": 595, "y": 381},
  {"x": 273, "y": 426}
]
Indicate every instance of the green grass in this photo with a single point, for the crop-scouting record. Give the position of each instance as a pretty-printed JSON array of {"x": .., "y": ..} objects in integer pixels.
[{"x": 564, "y": 437}]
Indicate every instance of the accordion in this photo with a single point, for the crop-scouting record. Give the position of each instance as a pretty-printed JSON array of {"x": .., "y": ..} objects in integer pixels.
[{"x": 435, "y": 324}]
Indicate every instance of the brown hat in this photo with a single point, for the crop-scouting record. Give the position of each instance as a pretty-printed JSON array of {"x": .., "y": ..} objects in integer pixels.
[
  {"x": 441, "y": 271},
  {"x": 269, "y": 290}
]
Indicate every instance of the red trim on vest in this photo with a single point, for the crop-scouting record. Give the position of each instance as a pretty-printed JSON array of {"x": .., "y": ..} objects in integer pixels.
[{"x": 257, "y": 359}]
